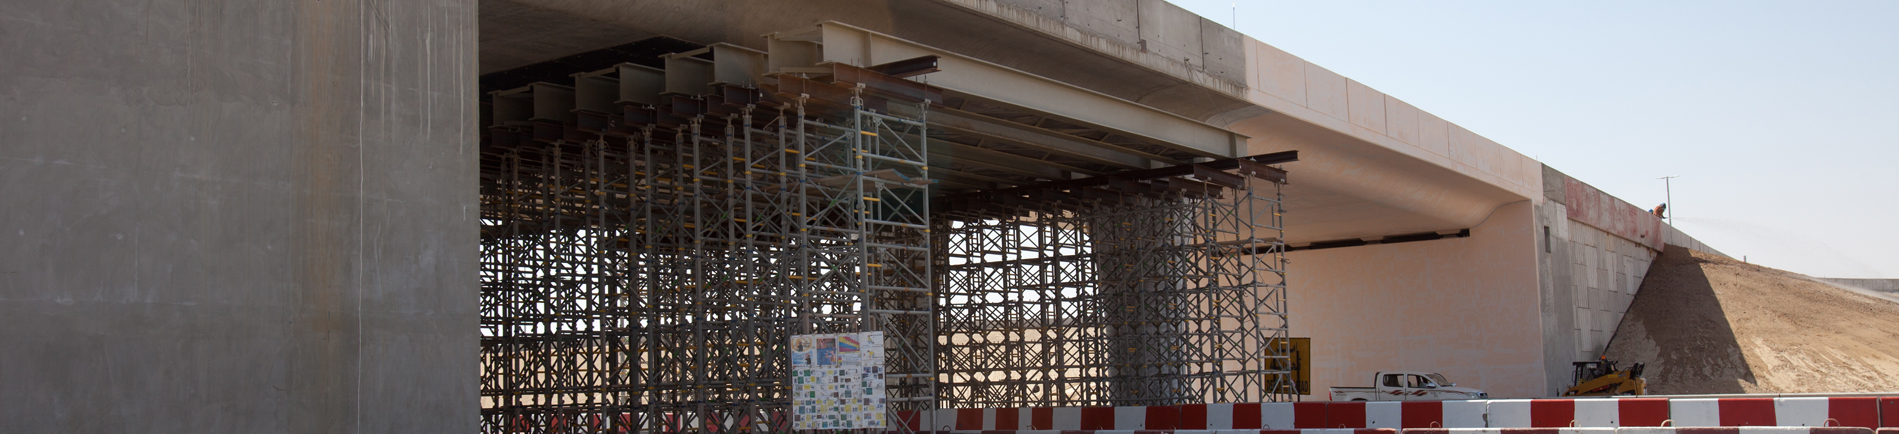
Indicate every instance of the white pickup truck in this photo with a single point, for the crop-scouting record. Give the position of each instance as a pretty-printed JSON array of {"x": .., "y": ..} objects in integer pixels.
[{"x": 1407, "y": 386}]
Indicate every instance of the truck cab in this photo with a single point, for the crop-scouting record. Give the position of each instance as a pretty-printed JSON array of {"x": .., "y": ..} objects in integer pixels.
[{"x": 1407, "y": 386}]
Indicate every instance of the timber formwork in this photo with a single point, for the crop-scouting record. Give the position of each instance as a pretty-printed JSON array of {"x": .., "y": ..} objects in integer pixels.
[{"x": 649, "y": 245}]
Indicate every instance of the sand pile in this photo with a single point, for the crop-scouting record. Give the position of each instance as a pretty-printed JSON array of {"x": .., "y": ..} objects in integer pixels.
[{"x": 1709, "y": 324}]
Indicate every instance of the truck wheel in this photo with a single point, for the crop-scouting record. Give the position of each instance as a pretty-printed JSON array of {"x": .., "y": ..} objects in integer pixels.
[{"x": 1358, "y": 399}]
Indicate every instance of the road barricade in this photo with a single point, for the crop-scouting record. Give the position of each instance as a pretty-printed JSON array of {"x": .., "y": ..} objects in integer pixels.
[
  {"x": 1510, "y": 431},
  {"x": 1889, "y": 413},
  {"x": 1783, "y": 412},
  {"x": 1746, "y": 430},
  {"x": 1559, "y": 413},
  {"x": 1796, "y": 412}
]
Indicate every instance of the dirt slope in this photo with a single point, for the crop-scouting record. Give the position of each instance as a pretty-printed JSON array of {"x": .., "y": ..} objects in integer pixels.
[{"x": 1710, "y": 324}]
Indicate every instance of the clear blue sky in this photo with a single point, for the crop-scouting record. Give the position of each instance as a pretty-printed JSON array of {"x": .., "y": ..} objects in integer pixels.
[{"x": 1782, "y": 118}]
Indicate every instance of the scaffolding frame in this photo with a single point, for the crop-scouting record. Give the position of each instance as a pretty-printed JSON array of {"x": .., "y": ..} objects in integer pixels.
[
  {"x": 650, "y": 281},
  {"x": 1138, "y": 292},
  {"x": 651, "y": 242}
]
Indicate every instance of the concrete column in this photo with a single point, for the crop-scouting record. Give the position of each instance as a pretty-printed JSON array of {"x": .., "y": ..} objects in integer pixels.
[
  {"x": 1138, "y": 286},
  {"x": 238, "y": 217}
]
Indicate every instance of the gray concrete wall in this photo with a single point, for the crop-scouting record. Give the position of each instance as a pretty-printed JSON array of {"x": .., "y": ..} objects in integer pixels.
[
  {"x": 1674, "y": 236},
  {"x": 1555, "y": 287},
  {"x": 1589, "y": 277},
  {"x": 237, "y": 216},
  {"x": 1606, "y": 272},
  {"x": 1154, "y": 26}
]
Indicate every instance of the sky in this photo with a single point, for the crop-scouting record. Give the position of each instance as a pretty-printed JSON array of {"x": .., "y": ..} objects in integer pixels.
[{"x": 1781, "y": 119}]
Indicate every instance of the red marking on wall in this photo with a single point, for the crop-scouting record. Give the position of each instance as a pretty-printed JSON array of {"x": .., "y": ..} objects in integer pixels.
[{"x": 1592, "y": 207}]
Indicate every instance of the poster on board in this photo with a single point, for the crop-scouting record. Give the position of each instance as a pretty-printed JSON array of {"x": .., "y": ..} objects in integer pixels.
[{"x": 837, "y": 381}]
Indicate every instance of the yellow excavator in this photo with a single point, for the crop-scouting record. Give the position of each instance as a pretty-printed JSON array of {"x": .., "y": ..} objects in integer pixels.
[{"x": 1600, "y": 378}]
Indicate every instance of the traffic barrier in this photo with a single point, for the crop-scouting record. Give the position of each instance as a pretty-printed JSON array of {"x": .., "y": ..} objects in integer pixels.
[
  {"x": 1243, "y": 416},
  {"x": 1179, "y": 431},
  {"x": 1852, "y": 411},
  {"x": 1866, "y": 412},
  {"x": 1746, "y": 430},
  {"x": 1424, "y": 414},
  {"x": 1323, "y": 431},
  {"x": 1510, "y": 431},
  {"x": 1889, "y": 412},
  {"x": 1557, "y": 413},
  {"x": 1722, "y": 412},
  {"x": 1783, "y": 412},
  {"x": 1294, "y": 415}
]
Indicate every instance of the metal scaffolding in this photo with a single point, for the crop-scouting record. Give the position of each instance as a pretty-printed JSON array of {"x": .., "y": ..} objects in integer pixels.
[
  {"x": 1139, "y": 292},
  {"x": 651, "y": 242},
  {"x": 652, "y": 281}
]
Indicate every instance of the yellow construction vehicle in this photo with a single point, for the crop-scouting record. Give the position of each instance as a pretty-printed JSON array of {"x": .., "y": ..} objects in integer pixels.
[{"x": 1600, "y": 378}]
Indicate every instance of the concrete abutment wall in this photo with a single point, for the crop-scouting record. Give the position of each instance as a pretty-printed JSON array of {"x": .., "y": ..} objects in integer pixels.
[{"x": 237, "y": 217}]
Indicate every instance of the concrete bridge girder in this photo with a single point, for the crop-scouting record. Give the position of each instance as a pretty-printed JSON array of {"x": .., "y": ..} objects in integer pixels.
[
  {"x": 977, "y": 79},
  {"x": 1350, "y": 187}
]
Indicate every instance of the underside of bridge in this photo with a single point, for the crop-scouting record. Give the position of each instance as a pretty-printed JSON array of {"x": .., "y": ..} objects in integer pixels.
[
  {"x": 332, "y": 216},
  {"x": 661, "y": 216}
]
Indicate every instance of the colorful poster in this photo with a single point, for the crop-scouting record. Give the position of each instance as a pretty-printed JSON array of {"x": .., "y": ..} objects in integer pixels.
[{"x": 838, "y": 381}]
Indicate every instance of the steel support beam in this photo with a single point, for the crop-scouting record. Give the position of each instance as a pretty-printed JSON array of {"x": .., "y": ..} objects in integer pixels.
[
  {"x": 1256, "y": 166},
  {"x": 1030, "y": 136},
  {"x": 960, "y": 153},
  {"x": 842, "y": 43}
]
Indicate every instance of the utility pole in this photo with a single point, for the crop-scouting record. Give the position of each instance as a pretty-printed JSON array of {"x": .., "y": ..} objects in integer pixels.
[{"x": 1670, "y": 198}]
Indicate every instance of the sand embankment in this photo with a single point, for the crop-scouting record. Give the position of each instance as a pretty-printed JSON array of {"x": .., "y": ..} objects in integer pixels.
[{"x": 1709, "y": 324}]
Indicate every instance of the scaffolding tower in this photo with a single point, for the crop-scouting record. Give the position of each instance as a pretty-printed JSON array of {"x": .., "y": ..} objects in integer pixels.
[
  {"x": 1129, "y": 292},
  {"x": 650, "y": 280},
  {"x": 651, "y": 242}
]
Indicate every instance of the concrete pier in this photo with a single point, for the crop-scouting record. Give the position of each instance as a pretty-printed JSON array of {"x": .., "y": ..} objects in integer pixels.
[{"x": 237, "y": 217}]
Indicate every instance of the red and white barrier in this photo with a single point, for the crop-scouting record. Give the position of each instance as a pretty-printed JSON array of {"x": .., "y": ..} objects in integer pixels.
[
  {"x": 1321, "y": 431},
  {"x": 1746, "y": 430},
  {"x": 1722, "y": 412},
  {"x": 1556, "y": 413},
  {"x": 1889, "y": 413},
  {"x": 1783, "y": 412},
  {"x": 1510, "y": 431},
  {"x": 1853, "y": 411},
  {"x": 1293, "y": 415},
  {"x": 1424, "y": 414},
  {"x": 1250, "y": 418}
]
